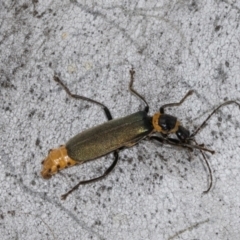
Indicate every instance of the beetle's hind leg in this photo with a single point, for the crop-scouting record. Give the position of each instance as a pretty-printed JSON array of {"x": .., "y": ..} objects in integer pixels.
[
  {"x": 64, "y": 196},
  {"x": 105, "y": 109}
]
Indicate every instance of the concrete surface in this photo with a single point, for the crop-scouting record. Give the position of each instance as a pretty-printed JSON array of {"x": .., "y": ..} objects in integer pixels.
[{"x": 155, "y": 192}]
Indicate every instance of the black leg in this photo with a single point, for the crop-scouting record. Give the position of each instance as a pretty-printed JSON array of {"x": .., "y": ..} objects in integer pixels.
[
  {"x": 64, "y": 196},
  {"x": 105, "y": 109},
  {"x": 132, "y": 72},
  {"x": 176, "y": 104}
]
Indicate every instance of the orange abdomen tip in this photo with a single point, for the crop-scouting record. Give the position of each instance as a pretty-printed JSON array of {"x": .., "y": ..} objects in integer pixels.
[{"x": 56, "y": 160}]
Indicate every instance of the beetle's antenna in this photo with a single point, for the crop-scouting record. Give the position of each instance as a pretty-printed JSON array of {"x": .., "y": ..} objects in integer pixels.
[
  {"x": 106, "y": 110},
  {"x": 210, "y": 115},
  {"x": 199, "y": 128},
  {"x": 208, "y": 167},
  {"x": 210, "y": 173},
  {"x": 178, "y": 143},
  {"x": 132, "y": 72}
]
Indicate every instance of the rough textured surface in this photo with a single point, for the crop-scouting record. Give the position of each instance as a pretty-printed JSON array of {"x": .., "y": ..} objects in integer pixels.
[{"x": 155, "y": 192}]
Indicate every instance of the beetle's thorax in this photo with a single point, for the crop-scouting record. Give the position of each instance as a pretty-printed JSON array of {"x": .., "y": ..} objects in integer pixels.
[{"x": 165, "y": 123}]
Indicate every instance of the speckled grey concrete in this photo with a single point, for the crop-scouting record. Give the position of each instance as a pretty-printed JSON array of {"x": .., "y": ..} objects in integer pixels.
[{"x": 155, "y": 192}]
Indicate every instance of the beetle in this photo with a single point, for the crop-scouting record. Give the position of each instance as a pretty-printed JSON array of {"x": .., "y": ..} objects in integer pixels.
[{"x": 120, "y": 133}]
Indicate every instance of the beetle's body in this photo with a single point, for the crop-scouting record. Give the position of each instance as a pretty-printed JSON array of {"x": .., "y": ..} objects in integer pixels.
[
  {"x": 98, "y": 141},
  {"x": 123, "y": 132},
  {"x": 109, "y": 136}
]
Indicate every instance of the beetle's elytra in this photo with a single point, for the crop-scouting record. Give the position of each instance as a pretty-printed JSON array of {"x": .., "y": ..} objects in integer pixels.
[{"x": 120, "y": 133}]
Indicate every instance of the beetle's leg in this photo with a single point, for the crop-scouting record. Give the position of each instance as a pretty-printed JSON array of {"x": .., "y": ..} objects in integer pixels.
[
  {"x": 132, "y": 72},
  {"x": 64, "y": 196},
  {"x": 210, "y": 115},
  {"x": 176, "y": 104},
  {"x": 106, "y": 110}
]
